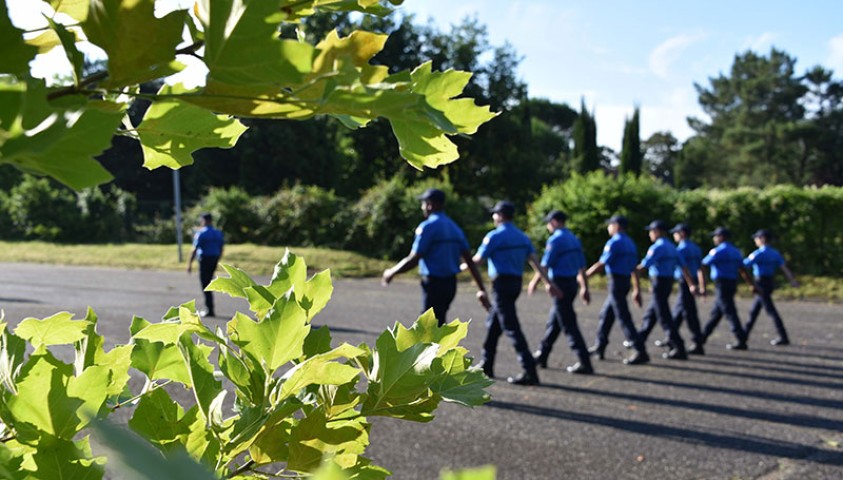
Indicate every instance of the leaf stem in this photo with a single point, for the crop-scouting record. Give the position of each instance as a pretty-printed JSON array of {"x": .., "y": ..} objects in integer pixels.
[{"x": 138, "y": 396}]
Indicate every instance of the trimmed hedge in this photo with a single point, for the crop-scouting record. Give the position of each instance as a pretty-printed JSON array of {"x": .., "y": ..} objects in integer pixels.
[{"x": 807, "y": 221}]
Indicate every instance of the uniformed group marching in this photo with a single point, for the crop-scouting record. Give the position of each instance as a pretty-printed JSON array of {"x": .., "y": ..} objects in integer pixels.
[{"x": 440, "y": 245}]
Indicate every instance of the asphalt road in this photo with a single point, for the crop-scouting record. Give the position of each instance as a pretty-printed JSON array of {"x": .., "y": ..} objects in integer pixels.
[{"x": 767, "y": 413}]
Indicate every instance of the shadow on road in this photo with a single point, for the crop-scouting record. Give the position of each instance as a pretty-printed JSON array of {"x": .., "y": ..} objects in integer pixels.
[
  {"x": 718, "y": 440},
  {"x": 19, "y": 300},
  {"x": 743, "y": 375}
]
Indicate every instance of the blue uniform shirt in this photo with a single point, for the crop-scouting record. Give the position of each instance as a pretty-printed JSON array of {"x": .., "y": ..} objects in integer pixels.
[
  {"x": 506, "y": 248},
  {"x": 439, "y": 242},
  {"x": 661, "y": 259},
  {"x": 208, "y": 242},
  {"x": 619, "y": 255},
  {"x": 764, "y": 261},
  {"x": 725, "y": 260},
  {"x": 690, "y": 256},
  {"x": 563, "y": 256}
]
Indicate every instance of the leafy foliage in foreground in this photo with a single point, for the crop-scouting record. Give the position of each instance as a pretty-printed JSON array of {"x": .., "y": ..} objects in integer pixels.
[
  {"x": 251, "y": 72},
  {"x": 300, "y": 405}
]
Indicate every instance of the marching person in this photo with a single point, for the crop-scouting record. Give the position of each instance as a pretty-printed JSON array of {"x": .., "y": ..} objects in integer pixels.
[
  {"x": 506, "y": 248},
  {"x": 438, "y": 245},
  {"x": 764, "y": 261},
  {"x": 619, "y": 259},
  {"x": 661, "y": 263},
  {"x": 685, "y": 307},
  {"x": 726, "y": 263},
  {"x": 208, "y": 244},
  {"x": 565, "y": 263}
]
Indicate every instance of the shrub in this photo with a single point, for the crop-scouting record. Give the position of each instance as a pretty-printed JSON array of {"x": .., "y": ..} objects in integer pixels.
[
  {"x": 234, "y": 212},
  {"x": 302, "y": 216},
  {"x": 41, "y": 210}
]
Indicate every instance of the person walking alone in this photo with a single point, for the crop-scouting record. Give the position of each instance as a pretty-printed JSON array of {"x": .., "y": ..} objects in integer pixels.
[{"x": 208, "y": 244}]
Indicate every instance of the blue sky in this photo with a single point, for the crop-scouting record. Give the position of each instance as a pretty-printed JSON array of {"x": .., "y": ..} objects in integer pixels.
[{"x": 620, "y": 53}]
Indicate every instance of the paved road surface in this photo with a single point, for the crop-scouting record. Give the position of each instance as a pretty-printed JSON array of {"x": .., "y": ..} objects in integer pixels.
[{"x": 768, "y": 413}]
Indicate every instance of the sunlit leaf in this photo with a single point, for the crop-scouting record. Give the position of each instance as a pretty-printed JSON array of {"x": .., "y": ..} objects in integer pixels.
[
  {"x": 68, "y": 42},
  {"x": 58, "y": 329},
  {"x": 457, "y": 383},
  {"x": 206, "y": 388},
  {"x": 233, "y": 286},
  {"x": 172, "y": 130},
  {"x": 77, "y": 9},
  {"x": 427, "y": 330},
  {"x": 275, "y": 340},
  {"x": 140, "y": 47}
]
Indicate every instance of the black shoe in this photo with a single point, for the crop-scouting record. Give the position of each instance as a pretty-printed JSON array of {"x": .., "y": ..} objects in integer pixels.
[
  {"x": 737, "y": 346},
  {"x": 663, "y": 343},
  {"x": 696, "y": 349},
  {"x": 540, "y": 358},
  {"x": 627, "y": 344},
  {"x": 675, "y": 354},
  {"x": 524, "y": 379},
  {"x": 580, "y": 369},
  {"x": 597, "y": 351},
  {"x": 487, "y": 369},
  {"x": 779, "y": 342},
  {"x": 637, "y": 358}
]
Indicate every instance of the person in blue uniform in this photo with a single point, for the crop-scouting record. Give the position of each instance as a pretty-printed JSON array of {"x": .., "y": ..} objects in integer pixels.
[
  {"x": 437, "y": 248},
  {"x": 764, "y": 262},
  {"x": 685, "y": 307},
  {"x": 725, "y": 262},
  {"x": 661, "y": 263},
  {"x": 208, "y": 244},
  {"x": 619, "y": 258},
  {"x": 505, "y": 250},
  {"x": 565, "y": 263}
]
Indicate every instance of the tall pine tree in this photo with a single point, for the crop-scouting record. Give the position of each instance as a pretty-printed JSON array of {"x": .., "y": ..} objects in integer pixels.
[
  {"x": 586, "y": 153},
  {"x": 631, "y": 155}
]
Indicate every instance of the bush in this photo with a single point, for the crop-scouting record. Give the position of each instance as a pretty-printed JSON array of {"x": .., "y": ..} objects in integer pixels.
[
  {"x": 106, "y": 214},
  {"x": 302, "y": 216},
  {"x": 234, "y": 212},
  {"x": 41, "y": 210}
]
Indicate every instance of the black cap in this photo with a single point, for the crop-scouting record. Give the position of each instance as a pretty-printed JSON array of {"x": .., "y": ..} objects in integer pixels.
[
  {"x": 619, "y": 219},
  {"x": 656, "y": 225},
  {"x": 507, "y": 209},
  {"x": 206, "y": 216},
  {"x": 721, "y": 231},
  {"x": 681, "y": 227},
  {"x": 763, "y": 233},
  {"x": 557, "y": 215},
  {"x": 433, "y": 195}
]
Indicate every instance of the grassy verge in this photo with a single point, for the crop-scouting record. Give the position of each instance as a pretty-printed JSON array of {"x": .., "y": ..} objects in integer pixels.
[
  {"x": 259, "y": 260},
  {"x": 255, "y": 259}
]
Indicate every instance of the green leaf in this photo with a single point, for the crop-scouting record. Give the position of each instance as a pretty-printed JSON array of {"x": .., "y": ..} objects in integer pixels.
[
  {"x": 91, "y": 388},
  {"x": 159, "y": 361},
  {"x": 63, "y": 458},
  {"x": 10, "y": 464},
  {"x": 118, "y": 361},
  {"x": 90, "y": 345},
  {"x": 59, "y": 329},
  {"x": 427, "y": 330},
  {"x": 172, "y": 130},
  {"x": 272, "y": 442},
  {"x": 314, "y": 437},
  {"x": 321, "y": 370},
  {"x": 487, "y": 472},
  {"x": 235, "y": 285},
  {"x": 440, "y": 88},
  {"x": 68, "y": 42},
  {"x": 457, "y": 383},
  {"x": 12, "y": 356},
  {"x": 129, "y": 456},
  {"x": 398, "y": 381},
  {"x": 77, "y": 9},
  {"x": 274, "y": 341},
  {"x": 167, "y": 333},
  {"x": 140, "y": 47},
  {"x": 242, "y": 45},
  {"x": 205, "y": 387},
  {"x": 15, "y": 54},
  {"x": 260, "y": 300},
  {"x": 250, "y": 380},
  {"x": 316, "y": 293},
  {"x": 290, "y": 272},
  {"x": 317, "y": 341},
  {"x": 64, "y": 143},
  {"x": 43, "y": 400},
  {"x": 157, "y": 418}
]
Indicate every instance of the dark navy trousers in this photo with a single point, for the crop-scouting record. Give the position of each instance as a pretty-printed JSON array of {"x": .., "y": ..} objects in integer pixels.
[
  {"x": 764, "y": 299},
  {"x": 659, "y": 309},
  {"x": 724, "y": 304},
  {"x": 616, "y": 306},
  {"x": 503, "y": 319},
  {"x": 563, "y": 318},
  {"x": 207, "y": 267},
  {"x": 438, "y": 293},
  {"x": 686, "y": 309}
]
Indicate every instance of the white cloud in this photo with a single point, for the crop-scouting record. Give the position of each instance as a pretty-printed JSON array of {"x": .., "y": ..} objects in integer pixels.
[
  {"x": 663, "y": 56},
  {"x": 762, "y": 43},
  {"x": 835, "y": 54}
]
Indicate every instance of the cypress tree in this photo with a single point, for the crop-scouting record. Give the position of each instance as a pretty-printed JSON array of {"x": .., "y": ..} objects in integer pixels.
[{"x": 632, "y": 157}]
